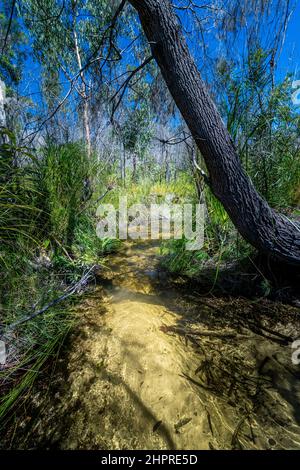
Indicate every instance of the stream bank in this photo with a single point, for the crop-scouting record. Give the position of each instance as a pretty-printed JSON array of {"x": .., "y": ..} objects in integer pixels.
[{"x": 153, "y": 366}]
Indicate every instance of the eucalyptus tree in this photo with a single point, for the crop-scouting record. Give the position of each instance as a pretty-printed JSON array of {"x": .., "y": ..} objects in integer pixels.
[
  {"x": 11, "y": 37},
  {"x": 270, "y": 232},
  {"x": 65, "y": 40}
]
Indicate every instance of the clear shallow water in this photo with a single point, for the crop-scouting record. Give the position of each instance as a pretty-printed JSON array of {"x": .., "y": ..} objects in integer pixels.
[{"x": 151, "y": 366}]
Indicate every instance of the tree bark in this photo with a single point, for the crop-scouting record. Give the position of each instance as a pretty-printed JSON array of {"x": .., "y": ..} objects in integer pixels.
[
  {"x": 268, "y": 231},
  {"x": 83, "y": 92}
]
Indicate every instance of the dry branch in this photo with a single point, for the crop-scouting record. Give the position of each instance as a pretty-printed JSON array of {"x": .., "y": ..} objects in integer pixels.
[{"x": 70, "y": 291}]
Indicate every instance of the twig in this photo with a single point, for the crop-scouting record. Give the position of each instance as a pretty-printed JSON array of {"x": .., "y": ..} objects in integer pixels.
[
  {"x": 203, "y": 174},
  {"x": 173, "y": 140},
  {"x": 63, "y": 249},
  {"x": 190, "y": 332},
  {"x": 67, "y": 293},
  {"x": 8, "y": 26},
  {"x": 98, "y": 199},
  {"x": 235, "y": 439},
  {"x": 124, "y": 85}
]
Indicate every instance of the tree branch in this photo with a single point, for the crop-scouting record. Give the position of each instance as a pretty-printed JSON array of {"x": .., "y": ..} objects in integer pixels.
[
  {"x": 121, "y": 90},
  {"x": 8, "y": 26},
  {"x": 75, "y": 288}
]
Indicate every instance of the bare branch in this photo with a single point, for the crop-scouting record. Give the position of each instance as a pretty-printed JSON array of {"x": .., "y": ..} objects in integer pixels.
[
  {"x": 92, "y": 59},
  {"x": 8, "y": 26},
  {"x": 121, "y": 90},
  {"x": 70, "y": 291}
]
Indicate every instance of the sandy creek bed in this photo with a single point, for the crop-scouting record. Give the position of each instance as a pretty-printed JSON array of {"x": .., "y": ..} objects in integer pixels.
[{"x": 133, "y": 379}]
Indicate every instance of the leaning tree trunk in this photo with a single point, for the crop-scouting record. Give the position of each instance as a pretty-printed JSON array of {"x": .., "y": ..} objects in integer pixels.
[{"x": 270, "y": 232}]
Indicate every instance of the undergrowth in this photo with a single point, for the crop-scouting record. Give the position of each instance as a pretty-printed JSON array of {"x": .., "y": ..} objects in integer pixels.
[{"x": 47, "y": 239}]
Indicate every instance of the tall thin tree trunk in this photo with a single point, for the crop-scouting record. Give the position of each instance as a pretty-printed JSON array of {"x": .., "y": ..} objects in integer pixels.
[
  {"x": 86, "y": 124},
  {"x": 270, "y": 232},
  {"x": 83, "y": 91}
]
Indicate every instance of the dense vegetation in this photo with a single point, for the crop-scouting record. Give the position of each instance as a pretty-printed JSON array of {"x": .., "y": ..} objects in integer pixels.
[{"x": 94, "y": 123}]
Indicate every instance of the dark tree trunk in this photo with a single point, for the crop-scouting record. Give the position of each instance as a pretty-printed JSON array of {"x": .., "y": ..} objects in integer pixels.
[{"x": 270, "y": 232}]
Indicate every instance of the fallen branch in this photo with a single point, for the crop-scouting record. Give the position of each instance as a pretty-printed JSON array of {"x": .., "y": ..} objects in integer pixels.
[
  {"x": 190, "y": 332},
  {"x": 109, "y": 188}
]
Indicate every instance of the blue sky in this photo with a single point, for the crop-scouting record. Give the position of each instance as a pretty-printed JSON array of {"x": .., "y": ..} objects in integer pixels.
[
  {"x": 289, "y": 61},
  {"x": 290, "y": 57}
]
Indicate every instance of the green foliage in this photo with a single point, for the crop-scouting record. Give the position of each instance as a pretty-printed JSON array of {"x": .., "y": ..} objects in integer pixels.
[
  {"x": 148, "y": 189},
  {"x": 87, "y": 247},
  {"x": 34, "y": 344},
  {"x": 17, "y": 192},
  {"x": 56, "y": 29},
  {"x": 180, "y": 261},
  {"x": 47, "y": 237},
  {"x": 11, "y": 38},
  {"x": 47, "y": 216},
  {"x": 265, "y": 126},
  {"x": 137, "y": 130},
  {"x": 64, "y": 170}
]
